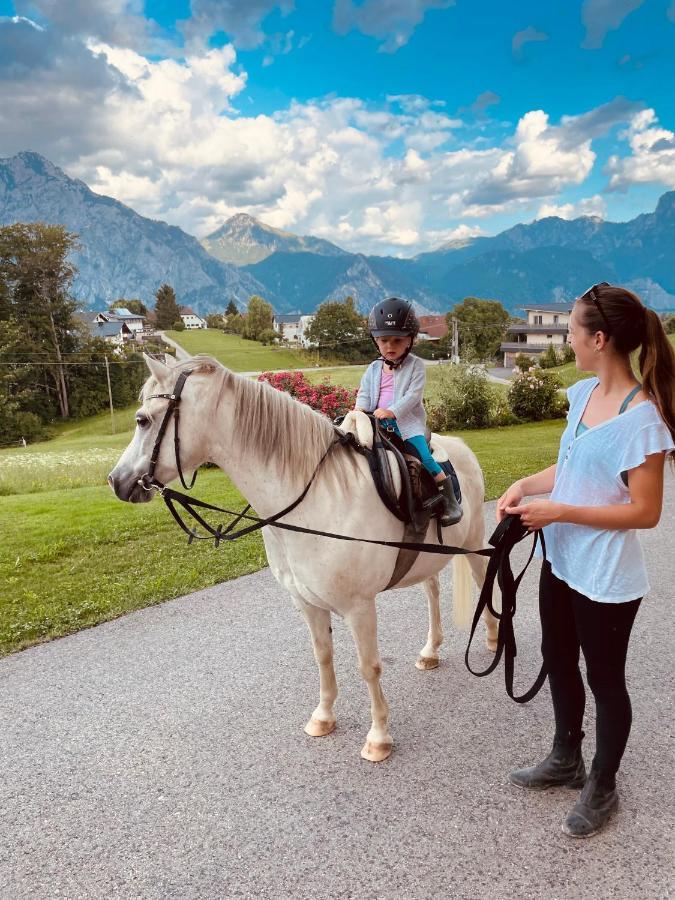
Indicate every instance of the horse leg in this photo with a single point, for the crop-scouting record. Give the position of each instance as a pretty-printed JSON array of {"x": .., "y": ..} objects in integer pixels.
[
  {"x": 322, "y": 720},
  {"x": 429, "y": 653},
  {"x": 363, "y": 624},
  {"x": 479, "y": 566}
]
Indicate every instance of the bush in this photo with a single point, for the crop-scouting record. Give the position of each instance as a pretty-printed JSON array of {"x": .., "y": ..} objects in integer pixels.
[
  {"x": 466, "y": 399},
  {"x": 549, "y": 359},
  {"x": 268, "y": 336},
  {"x": 533, "y": 395},
  {"x": 523, "y": 362},
  {"x": 330, "y": 399},
  {"x": 178, "y": 325},
  {"x": 567, "y": 354}
]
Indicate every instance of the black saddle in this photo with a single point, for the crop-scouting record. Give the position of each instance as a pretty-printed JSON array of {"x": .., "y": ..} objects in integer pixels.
[{"x": 419, "y": 500}]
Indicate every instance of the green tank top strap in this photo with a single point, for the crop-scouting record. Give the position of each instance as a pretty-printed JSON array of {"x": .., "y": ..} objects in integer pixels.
[{"x": 636, "y": 390}]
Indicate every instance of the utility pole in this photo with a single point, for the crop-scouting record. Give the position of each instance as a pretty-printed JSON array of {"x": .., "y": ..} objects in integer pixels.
[
  {"x": 112, "y": 412},
  {"x": 455, "y": 340}
]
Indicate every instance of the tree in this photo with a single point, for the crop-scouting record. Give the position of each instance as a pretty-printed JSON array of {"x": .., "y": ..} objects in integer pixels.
[
  {"x": 339, "y": 330},
  {"x": 134, "y": 306},
  {"x": 36, "y": 277},
  {"x": 232, "y": 309},
  {"x": 235, "y": 324},
  {"x": 167, "y": 311},
  {"x": 215, "y": 320},
  {"x": 482, "y": 326},
  {"x": 259, "y": 318}
]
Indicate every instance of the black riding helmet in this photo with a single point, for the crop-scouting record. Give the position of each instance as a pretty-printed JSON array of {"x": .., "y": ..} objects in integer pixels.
[{"x": 393, "y": 318}]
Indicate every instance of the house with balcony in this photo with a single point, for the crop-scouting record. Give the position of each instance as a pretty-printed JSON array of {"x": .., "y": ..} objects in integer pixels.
[
  {"x": 292, "y": 328},
  {"x": 190, "y": 319},
  {"x": 135, "y": 322},
  {"x": 547, "y": 323}
]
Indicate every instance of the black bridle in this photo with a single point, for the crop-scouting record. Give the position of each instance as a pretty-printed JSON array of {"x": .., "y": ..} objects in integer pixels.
[
  {"x": 508, "y": 533},
  {"x": 148, "y": 481}
]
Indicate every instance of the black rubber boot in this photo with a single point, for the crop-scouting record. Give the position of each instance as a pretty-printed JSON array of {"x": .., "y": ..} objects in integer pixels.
[
  {"x": 595, "y": 806},
  {"x": 563, "y": 767},
  {"x": 452, "y": 511}
]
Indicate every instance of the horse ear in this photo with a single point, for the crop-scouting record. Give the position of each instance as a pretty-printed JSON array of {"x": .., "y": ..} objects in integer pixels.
[{"x": 159, "y": 369}]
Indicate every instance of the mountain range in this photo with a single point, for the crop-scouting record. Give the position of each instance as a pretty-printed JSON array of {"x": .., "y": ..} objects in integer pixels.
[{"x": 124, "y": 254}]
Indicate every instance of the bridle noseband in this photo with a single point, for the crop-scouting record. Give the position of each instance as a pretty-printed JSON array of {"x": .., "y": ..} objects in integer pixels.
[{"x": 148, "y": 481}]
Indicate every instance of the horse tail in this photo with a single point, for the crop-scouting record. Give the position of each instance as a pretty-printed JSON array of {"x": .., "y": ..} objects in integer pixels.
[{"x": 462, "y": 592}]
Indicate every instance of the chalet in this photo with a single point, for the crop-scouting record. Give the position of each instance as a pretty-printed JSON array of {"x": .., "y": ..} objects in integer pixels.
[
  {"x": 134, "y": 321},
  {"x": 190, "y": 319},
  {"x": 546, "y": 324},
  {"x": 113, "y": 332},
  {"x": 292, "y": 328}
]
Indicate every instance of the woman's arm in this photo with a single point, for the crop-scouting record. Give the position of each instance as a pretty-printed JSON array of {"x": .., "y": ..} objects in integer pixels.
[
  {"x": 645, "y": 485},
  {"x": 539, "y": 483}
]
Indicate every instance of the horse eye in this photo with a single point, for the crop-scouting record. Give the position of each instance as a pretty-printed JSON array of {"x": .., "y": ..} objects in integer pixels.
[{"x": 142, "y": 421}]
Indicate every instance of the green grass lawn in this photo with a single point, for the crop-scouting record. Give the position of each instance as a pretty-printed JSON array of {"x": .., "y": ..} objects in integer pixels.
[
  {"x": 73, "y": 556},
  {"x": 234, "y": 352}
]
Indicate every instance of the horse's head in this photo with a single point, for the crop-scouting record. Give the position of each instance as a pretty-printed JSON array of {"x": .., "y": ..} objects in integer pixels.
[{"x": 125, "y": 479}]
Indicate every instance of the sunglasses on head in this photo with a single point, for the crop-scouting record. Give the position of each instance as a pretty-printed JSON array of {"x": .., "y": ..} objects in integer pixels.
[{"x": 594, "y": 297}]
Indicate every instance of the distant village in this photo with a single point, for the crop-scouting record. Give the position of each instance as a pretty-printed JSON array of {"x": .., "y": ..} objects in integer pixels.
[{"x": 546, "y": 325}]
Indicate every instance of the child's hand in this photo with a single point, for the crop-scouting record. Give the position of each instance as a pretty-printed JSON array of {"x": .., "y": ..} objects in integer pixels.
[{"x": 384, "y": 414}]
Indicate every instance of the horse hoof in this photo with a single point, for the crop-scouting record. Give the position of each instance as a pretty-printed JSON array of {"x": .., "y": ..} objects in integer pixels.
[
  {"x": 426, "y": 662},
  {"x": 319, "y": 727},
  {"x": 491, "y": 644},
  {"x": 375, "y": 751}
]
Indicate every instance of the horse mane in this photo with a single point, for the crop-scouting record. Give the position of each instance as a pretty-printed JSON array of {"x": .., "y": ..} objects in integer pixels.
[{"x": 274, "y": 427}]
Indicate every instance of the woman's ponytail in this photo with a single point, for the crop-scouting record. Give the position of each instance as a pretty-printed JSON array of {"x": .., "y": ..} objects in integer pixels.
[
  {"x": 622, "y": 315},
  {"x": 657, "y": 368}
]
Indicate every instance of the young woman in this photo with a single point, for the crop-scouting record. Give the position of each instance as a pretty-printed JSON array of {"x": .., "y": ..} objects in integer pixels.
[
  {"x": 607, "y": 484},
  {"x": 392, "y": 388}
]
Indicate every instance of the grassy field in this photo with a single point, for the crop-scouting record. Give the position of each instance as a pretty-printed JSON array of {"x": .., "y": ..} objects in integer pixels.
[
  {"x": 234, "y": 352},
  {"x": 73, "y": 556}
]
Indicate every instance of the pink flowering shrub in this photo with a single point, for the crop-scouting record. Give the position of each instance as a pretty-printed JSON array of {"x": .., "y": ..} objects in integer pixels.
[
  {"x": 330, "y": 399},
  {"x": 533, "y": 395}
]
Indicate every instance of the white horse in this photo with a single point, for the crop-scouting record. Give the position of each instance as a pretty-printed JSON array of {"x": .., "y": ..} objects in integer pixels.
[{"x": 269, "y": 445}]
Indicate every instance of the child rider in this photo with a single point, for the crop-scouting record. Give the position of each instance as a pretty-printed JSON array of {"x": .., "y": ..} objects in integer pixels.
[{"x": 392, "y": 388}]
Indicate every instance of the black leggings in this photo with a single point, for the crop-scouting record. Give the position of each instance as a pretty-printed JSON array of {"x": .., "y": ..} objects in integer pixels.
[{"x": 569, "y": 622}]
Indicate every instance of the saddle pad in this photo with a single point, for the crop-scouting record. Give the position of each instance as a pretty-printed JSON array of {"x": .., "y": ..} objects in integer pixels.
[{"x": 358, "y": 424}]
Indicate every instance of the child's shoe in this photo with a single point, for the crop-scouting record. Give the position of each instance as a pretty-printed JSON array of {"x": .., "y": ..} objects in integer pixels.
[{"x": 452, "y": 511}]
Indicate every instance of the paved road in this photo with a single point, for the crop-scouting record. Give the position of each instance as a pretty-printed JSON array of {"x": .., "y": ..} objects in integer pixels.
[{"x": 162, "y": 756}]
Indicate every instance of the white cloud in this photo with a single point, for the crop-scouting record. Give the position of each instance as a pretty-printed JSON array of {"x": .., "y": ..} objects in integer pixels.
[
  {"x": 239, "y": 21},
  {"x": 601, "y": 16},
  {"x": 589, "y": 206},
  {"x": 526, "y": 36},
  {"x": 392, "y": 21},
  {"x": 164, "y": 136},
  {"x": 652, "y": 156}
]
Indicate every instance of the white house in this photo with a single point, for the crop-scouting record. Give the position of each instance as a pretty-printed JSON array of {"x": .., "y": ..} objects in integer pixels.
[
  {"x": 546, "y": 324},
  {"x": 292, "y": 328},
  {"x": 134, "y": 321},
  {"x": 190, "y": 319}
]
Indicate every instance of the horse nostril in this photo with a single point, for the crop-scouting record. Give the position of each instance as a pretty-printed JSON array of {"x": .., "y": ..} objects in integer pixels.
[{"x": 111, "y": 481}]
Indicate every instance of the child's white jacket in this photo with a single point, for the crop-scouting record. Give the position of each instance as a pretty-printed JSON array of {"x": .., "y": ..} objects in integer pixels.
[{"x": 409, "y": 381}]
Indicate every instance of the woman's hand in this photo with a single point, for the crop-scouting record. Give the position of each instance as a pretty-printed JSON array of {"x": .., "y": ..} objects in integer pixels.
[
  {"x": 537, "y": 513},
  {"x": 511, "y": 497},
  {"x": 384, "y": 414}
]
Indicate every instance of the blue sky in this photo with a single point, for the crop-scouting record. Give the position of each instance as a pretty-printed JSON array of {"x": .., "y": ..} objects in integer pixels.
[{"x": 387, "y": 126}]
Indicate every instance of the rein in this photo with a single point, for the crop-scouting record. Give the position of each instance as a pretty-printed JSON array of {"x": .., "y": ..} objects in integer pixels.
[{"x": 508, "y": 533}]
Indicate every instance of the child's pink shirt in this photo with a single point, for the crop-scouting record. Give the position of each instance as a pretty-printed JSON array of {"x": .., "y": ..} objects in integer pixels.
[{"x": 386, "y": 397}]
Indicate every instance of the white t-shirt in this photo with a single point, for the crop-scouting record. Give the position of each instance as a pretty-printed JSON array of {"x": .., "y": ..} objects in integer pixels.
[{"x": 607, "y": 566}]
